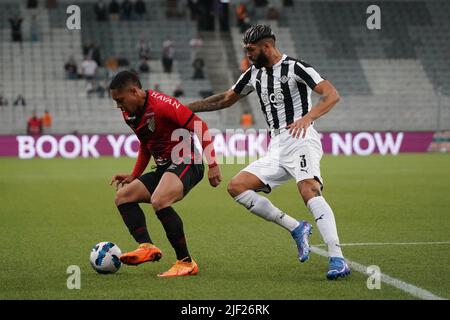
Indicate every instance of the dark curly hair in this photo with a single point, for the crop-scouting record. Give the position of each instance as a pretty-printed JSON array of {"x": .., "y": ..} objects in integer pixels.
[{"x": 258, "y": 32}]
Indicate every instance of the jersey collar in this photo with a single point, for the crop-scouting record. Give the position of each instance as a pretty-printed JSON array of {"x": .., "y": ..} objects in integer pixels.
[{"x": 283, "y": 57}]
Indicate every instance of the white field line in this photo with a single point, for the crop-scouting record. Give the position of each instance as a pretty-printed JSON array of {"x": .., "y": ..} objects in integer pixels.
[
  {"x": 399, "y": 284},
  {"x": 356, "y": 244}
]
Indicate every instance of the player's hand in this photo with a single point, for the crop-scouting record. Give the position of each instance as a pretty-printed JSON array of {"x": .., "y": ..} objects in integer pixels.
[
  {"x": 214, "y": 176},
  {"x": 121, "y": 179},
  {"x": 298, "y": 128}
]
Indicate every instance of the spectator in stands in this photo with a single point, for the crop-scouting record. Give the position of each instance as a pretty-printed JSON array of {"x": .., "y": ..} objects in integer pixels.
[
  {"x": 90, "y": 88},
  {"x": 94, "y": 52},
  {"x": 174, "y": 9},
  {"x": 143, "y": 66},
  {"x": 178, "y": 92},
  {"x": 114, "y": 10},
  {"x": 47, "y": 121},
  {"x": 20, "y": 100},
  {"x": 34, "y": 125},
  {"x": 126, "y": 10},
  {"x": 89, "y": 68},
  {"x": 123, "y": 60},
  {"x": 196, "y": 43},
  {"x": 260, "y": 9},
  {"x": 168, "y": 53},
  {"x": 32, "y": 4},
  {"x": 273, "y": 13},
  {"x": 260, "y": 3},
  {"x": 71, "y": 69},
  {"x": 101, "y": 11},
  {"x": 243, "y": 21},
  {"x": 51, "y": 4},
  {"x": 157, "y": 87},
  {"x": 35, "y": 29},
  {"x": 16, "y": 28},
  {"x": 246, "y": 119},
  {"x": 198, "y": 65},
  {"x": 206, "y": 15},
  {"x": 223, "y": 13},
  {"x": 101, "y": 88},
  {"x": 143, "y": 48},
  {"x": 3, "y": 101},
  {"x": 193, "y": 8},
  {"x": 111, "y": 64},
  {"x": 140, "y": 9},
  {"x": 97, "y": 88}
]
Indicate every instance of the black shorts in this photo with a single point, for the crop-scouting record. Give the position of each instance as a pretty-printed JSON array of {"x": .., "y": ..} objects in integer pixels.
[{"x": 189, "y": 174}]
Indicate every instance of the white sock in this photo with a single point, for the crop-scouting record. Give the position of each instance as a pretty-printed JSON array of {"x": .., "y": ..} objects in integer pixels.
[
  {"x": 326, "y": 224},
  {"x": 261, "y": 206}
]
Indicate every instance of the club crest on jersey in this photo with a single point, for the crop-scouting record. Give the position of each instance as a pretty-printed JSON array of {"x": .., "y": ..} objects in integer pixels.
[
  {"x": 284, "y": 79},
  {"x": 151, "y": 123}
]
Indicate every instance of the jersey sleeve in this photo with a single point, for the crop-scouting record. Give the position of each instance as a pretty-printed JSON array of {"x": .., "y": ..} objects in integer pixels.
[
  {"x": 244, "y": 85},
  {"x": 142, "y": 161},
  {"x": 304, "y": 72}
]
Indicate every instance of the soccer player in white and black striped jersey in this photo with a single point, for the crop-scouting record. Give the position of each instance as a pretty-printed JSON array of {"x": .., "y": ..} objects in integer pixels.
[{"x": 284, "y": 86}]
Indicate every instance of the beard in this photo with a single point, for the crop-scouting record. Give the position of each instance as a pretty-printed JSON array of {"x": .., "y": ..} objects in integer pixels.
[{"x": 261, "y": 61}]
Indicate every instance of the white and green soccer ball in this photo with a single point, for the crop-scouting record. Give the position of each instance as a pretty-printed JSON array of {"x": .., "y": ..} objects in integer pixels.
[{"x": 105, "y": 257}]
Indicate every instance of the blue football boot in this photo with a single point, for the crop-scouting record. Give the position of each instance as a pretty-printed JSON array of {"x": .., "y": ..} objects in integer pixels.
[
  {"x": 337, "y": 268},
  {"x": 301, "y": 236}
]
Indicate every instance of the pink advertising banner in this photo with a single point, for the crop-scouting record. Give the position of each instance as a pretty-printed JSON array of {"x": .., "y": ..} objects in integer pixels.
[{"x": 230, "y": 143}]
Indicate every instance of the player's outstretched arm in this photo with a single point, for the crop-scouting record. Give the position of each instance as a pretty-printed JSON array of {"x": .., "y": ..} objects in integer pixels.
[
  {"x": 216, "y": 102},
  {"x": 329, "y": 98}
]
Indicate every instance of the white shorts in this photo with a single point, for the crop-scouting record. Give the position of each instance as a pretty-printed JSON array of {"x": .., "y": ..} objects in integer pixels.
[{"x": 289, "y": 158}]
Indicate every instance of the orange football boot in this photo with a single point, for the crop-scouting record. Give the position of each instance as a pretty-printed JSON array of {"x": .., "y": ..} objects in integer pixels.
[
  {"x": 181, "y": 268},
  {"x": 144, "y": 253}
]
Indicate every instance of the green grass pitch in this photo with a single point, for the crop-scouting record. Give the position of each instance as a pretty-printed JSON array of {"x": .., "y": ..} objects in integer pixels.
[{"x": 53, "y": 211}]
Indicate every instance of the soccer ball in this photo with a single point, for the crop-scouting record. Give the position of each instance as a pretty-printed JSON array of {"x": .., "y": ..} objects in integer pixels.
[{"x": 105, "y": 257}]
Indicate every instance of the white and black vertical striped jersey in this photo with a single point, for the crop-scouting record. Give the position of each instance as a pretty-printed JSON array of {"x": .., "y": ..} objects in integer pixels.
[{"x": 284, "y": 90}]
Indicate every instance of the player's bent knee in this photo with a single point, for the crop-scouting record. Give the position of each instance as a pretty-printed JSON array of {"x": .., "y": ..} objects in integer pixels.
[
  {"x": 309, "y": 189},
  {"x": 159, "y": 202},
  {"x": 128, "y": 194},
  {"x": 235, "y": 188},
  {"x": 121, "y": 197}
]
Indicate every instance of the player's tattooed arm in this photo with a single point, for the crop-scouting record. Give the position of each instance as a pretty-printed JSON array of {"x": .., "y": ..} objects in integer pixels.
[
  {"x": 329, "y": 97},
  {"x": 216, "y": 102}
]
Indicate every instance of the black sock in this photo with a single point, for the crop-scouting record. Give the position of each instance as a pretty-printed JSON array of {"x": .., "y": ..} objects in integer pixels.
[
  {"x": 134, "y": 218},
  {"x": 173, "y": 226}
]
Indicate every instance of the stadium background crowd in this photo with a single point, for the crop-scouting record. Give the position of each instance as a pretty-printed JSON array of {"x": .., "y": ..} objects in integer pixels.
[{"x": 392, "y": 79}]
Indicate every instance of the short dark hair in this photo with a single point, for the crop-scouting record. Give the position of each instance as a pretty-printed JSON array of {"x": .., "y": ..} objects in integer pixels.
[
  {"x": 258, "y": 32},
  {"x": 123, "y": 79}
]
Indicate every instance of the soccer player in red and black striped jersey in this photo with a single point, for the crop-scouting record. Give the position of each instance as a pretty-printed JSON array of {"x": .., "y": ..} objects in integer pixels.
[{"x": 155, "y": 119}]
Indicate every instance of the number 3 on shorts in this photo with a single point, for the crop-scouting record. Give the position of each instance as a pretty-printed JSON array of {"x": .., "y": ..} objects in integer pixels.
[{"x": 302, "y": 161}]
